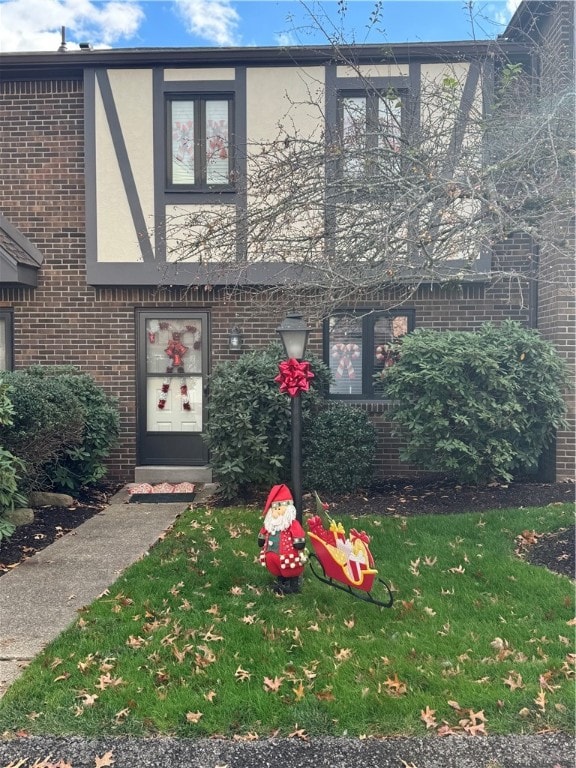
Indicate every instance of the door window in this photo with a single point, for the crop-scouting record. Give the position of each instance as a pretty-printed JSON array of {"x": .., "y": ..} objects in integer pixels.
[{"x": 174, "y": 393}]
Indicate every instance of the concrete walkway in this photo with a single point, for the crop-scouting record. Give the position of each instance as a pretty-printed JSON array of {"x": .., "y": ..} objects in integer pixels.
[{"x": 42, "y": 596}]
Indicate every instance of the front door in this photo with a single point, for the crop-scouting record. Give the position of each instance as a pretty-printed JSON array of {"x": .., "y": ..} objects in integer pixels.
[{"x": 172, "y": 369}]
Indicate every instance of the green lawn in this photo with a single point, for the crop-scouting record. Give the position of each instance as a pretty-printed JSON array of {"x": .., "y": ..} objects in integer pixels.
[{"x": 189, "y": 641}]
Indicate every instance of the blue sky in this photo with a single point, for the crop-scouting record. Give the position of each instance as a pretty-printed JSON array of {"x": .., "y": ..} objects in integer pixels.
[{"x": 32, "y": 25}]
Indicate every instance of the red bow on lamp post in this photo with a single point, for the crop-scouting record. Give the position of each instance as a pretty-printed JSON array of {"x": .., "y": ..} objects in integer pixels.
[{"x": 294, "y": 376}]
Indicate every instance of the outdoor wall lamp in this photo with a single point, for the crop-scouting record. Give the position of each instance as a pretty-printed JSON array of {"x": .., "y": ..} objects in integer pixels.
[{"x": 235, "y": 339}]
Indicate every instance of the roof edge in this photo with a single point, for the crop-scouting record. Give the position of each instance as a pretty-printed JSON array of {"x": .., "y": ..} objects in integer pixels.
[{"x": 21, "y": 240}]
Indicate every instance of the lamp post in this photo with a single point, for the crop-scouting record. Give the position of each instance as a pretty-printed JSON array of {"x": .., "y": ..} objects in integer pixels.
[{"x": 294, "y": 333}]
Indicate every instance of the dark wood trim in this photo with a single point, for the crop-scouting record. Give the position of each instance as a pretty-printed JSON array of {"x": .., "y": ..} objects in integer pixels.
[
  {"x": 459, "y": 131},
  {"x": 8, "y": 316},
  {"x": 159, "y": 149},
  {"x": 240, "y": 168},
  {"x": 90, "y": 166},
  {"x": 264, "y": 274},
  {"x": 46, "y": 65}
]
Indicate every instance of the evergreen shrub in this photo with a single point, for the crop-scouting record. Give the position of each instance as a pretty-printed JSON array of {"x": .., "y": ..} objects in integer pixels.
[
  {"x": 478, "y": 405},
  {"x": 338, "y": 449},
  {"x": 248, "y": 430},
  {"x": 63, "y": 427},
  {"x": 10, "y": 466}
]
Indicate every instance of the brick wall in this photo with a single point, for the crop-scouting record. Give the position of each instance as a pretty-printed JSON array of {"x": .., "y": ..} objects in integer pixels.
[
  {"x": 65, "y": 321},
  {"x": 557, "y": 273}
]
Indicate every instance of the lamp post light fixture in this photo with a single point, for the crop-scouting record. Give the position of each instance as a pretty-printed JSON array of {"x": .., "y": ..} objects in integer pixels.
[
  {"x": 235, "y": 340},
  {"x": 294, "y": 333}
]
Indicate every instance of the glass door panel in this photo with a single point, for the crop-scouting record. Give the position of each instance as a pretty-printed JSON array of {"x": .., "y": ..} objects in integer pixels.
[{"x": 172, "y": 365}]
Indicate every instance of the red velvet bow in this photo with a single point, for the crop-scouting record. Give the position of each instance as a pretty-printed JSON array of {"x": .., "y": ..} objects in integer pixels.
[{"x": 294, "y": 377}]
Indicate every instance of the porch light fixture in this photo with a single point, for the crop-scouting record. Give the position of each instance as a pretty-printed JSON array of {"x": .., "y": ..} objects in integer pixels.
[
  {"x": 294, "y": 333},
  {"x": 235, "y": 340}
]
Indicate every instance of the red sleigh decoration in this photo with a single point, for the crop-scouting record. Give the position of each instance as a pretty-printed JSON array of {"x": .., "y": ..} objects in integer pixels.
[{"x": 346, "y": 561}]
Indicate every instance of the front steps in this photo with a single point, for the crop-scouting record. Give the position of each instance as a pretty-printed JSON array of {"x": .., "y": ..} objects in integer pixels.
[{"x": 169, "y": 474}]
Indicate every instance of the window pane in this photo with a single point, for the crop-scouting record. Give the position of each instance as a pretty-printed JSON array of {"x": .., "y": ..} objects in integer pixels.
[
  {"x": 173, "y": 347},
  {"x": 386, "y": 331},
  {"x": 3, "y": 346},
  {"x": 217, "y": 147},
  {"x": 389, "y": 117},
  {"x": 182, "y": 142},
  {"x": 345, "y": 344},
  {"x": 354, "y": 114}
]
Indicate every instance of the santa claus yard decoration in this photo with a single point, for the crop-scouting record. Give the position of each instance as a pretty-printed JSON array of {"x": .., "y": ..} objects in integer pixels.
[{"x": 282, "y": 540}]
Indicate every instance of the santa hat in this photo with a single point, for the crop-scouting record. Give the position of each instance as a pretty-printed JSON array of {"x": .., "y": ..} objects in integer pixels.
[{"x": 278, "y": 493}]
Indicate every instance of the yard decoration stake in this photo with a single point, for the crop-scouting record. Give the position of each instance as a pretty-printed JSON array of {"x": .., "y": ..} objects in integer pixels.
[
  {"x": 346, "y": 561},
  {"x": 282, "y": 540}
]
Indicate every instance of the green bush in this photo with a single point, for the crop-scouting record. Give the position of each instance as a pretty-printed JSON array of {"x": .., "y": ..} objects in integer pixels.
[
  {"x": 479, "y": 406},
  {"x": 83, "y": 465},
  {"x": 248, "y": 430},
  {"x": 10, "y": 466},
  {"x": 338, "y": 448},
  {"x": 63, "y": 427}
]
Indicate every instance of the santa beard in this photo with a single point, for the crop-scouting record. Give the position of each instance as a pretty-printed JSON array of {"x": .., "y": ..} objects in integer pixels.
[{"x": 275, "y": 524}]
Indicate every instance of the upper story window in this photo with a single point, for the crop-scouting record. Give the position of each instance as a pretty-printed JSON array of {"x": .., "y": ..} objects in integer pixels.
[
  {"x": 199, "y": 142},
  {"x": 370, "y": 125},
  {"x": 358, "y": 347},
  {"x": 5, "y": 340}
]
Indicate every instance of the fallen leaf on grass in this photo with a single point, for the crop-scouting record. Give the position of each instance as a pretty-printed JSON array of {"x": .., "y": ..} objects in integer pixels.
[
  {"x": 540, "y": 700},
  {"x": 427, "y": 716},
  {"x": 343, "y": 654},
  {"x": 474, "y": 724},
  {"x": 513, "y": 682},
  {"x": 299, "y": 691},
  {"x": 105, "y": 681},
  {"x": 298, "y": 733},
  {"x": 272, "y": 684},
  {"x": 242, "y": 674},
  {"x": 395, "y": 686},
  {"x": 193, "y": 717},
  {"x": 545, "y": 683},
  {"x": 88, "y": 699},
  {"x": 250, "y": 736}
]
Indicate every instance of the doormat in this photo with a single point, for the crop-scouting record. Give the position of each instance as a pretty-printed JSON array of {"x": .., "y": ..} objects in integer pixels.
[{"x": 164, "y": 493}]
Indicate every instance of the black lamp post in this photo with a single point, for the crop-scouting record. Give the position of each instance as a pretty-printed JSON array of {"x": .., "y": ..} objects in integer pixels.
[{"x": 294, "y": 334}]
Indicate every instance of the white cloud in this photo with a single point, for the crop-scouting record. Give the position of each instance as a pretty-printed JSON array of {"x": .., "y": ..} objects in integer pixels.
[
  {"x": 285, "y": 39},
  {"x": 496, "y": 13},
  {"x": 214, "y": 20},
  {"x": 34, "y": 25}
]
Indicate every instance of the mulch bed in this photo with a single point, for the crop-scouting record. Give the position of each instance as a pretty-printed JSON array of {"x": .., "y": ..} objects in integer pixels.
[
  {"x": 394, "y": 496},
  {"x": 51, "y": 523}
]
